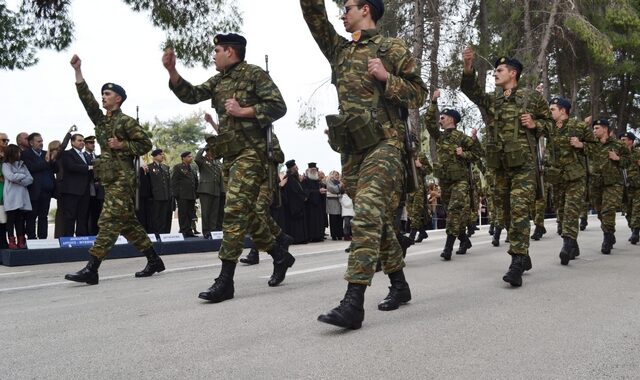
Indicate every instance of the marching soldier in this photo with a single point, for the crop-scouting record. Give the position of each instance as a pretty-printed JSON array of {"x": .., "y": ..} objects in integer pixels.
[
  {"x": 455, "y": 152},
  {"x": 121, "y": 139},
  {"x": 517, "y": 118},
  {"x": 632, "y": 187},
  {"x": 247, "y": 101},
  {"x": 608, "y": 159},
  {"x": 417, "y": 204},
  {"x": 568, "y": 142},
  {"x": 376, "y": 79}
]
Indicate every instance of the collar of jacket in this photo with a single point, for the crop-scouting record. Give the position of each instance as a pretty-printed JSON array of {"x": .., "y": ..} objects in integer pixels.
[
  {"x": 514, "y": 91},
  {"x": 232, "y": 68},
  {"x": 365, "y": 35},
  {"x": 114, "y": 112}
]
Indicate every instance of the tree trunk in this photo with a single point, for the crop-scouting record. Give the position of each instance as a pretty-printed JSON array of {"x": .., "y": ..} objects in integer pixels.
[
  {"x": 418, "y": 53},
  {"x": 434, "y": 15}
]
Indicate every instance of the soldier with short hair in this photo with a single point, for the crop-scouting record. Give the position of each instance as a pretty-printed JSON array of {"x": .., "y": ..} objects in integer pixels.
[
  {"x": 121, "y": 139},
  {"x": 517, "y": 117},
  {"x": 377, "y": 79},
  {"x": 568, "y": 142},
  {"x": 247, "y": 102},
  {"x": 456, "y": 151}
]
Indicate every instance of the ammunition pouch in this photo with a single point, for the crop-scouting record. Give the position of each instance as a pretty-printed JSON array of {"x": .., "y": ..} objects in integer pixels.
[
  {"x": 514, "y": 155},
  {"x": 109, "y": 170},
  {"x": 228, "y": 144},
  {"x": 338, "y": 137},
  {"x": 354, "y": 132},
  {"x": 611, "y": 176},
  {"x": 634, "y": 181},
  {"x": 574, "y": 172},
  {"x": 492, "y": 156},
  {"x": 553, "y": 174},
  {"x": 451, "y": 172}
]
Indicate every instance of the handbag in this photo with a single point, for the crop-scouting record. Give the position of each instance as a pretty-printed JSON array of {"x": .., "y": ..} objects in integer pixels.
[{"x": 3, "y": 215}]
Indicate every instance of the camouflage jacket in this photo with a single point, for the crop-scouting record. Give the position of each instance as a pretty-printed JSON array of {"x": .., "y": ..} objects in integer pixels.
[
  {"x": 559, "y": 152},
  {"x": 503, "y": 114},
  {"x": 446, "y": 143},
  {"x": 604, "y": 167},
  {"x": 633, "y": 168},
  {"x": 114, "y": 124},
  {"x": 356, "y": 89},
  {"x": 251, "y": 87}
]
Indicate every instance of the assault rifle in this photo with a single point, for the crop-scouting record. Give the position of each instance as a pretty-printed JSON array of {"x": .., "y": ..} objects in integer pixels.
[
  {"x": 271, "y": 172},
  {"x": 410, "y": 154},
  {"x": 136, "y": 166}
]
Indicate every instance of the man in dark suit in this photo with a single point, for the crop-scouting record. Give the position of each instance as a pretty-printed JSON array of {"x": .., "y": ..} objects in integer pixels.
[
  {"x": 160, "y": 178},
  {"x": 209, "y": 190},
  {"x": 42, "y": 188},
  {"x": 75, "y": 188},
  {"x": 184, "y": 182},
  {"x": 96, "y": 191}
]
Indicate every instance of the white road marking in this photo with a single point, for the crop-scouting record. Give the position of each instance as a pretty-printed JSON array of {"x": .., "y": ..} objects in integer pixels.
[{"x": 14, "y": 273}]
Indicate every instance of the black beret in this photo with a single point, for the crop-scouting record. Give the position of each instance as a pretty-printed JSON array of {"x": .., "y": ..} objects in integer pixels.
[
  {"x": 312, "y": 165},
  {"x": 115, "y": 88},
  {"x": 629, "y": 135},
  {"x": 561, "y": 102},
  {"x": 90, "y": 139},
  {"x": 509, "y": 62},
  {"x": 603, "y": 122},
  {"x": 230, "y": 39},
  {"x": 378, "y": 5},
  {"x": 184, "y": 154},
  {"x": 453, "y": 113},
  {"x": 290, "y": 164},
  {"x": 156, "y": 152}
]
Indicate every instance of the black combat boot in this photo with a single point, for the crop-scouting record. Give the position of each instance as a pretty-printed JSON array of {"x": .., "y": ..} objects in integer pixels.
[
  {"x": 526, "y": 263},
  {"x": 576, "y": 250},
  {"x": 399, "y": 292},
  {"x": 538, "y": 232},
  {"x": 422, "y": 234},
  {"x": 514, "y": 274},
  {"x": 88, "y": 274},
  {"x": 491, "y": 229},
  {"x": 471, "y": 229},
  {"x": 350, "y": 313},
  {"x": 448, "y": 247},
  {"x": 154, "y": 263},
  {"x": 282, "y": 260},
  {"x": 253, "y": 257},
  {"x": 405, "y": 243},
  {"x": 284, "y": 240},
  {"x": 413, "y": 233},
  {"x": 607, "y": 243},
  {"x": 222, "y": 288},
  {"x": 635, "y": 236},
  {"x": 496, "y": 237},
  {"x": 559, "y": 229},
  {"x": 566, "y": 252},
  {"x": 583, "y": 224},
  {"x": 465, "y": 244}
]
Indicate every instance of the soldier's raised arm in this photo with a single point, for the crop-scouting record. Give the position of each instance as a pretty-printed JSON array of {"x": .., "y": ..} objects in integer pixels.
[
  {"x": 185, "y": 91},
  {"x": 470, "y": 86},
  {"x": 315, "y": 14},
  {"x": 86, "y": 97},
  {"x": 430, "y": 121}
]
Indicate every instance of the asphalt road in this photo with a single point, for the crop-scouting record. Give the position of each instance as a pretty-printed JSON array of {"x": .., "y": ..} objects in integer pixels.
[{"x": 579, "y": 321}]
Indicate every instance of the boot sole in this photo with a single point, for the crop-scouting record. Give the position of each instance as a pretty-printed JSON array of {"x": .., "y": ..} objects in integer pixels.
[
  {"x": 91, "y": 282},
  {"x": 512, "y": 282},
  {"x": 353, "y": 326},
  {"x": 215, "y": 300},
  {"x": 565, "y": 257},
  {"x": 141, "y": 275}
]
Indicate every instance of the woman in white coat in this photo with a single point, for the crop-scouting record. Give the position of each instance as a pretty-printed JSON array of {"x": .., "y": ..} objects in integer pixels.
[{"x": 16, "y": 196}]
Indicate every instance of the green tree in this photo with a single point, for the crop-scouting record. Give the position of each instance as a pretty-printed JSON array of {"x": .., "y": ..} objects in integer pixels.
[
  {"x": 47, "y": 24},
  {"x": 177, "y": 135}
]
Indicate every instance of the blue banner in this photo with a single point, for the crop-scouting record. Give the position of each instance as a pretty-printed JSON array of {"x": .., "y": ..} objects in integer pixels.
[{"x": 76, "y": 241}]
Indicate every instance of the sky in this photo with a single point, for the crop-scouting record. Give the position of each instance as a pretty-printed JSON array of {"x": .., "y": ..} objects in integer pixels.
[{"x": 118, "y": 45}]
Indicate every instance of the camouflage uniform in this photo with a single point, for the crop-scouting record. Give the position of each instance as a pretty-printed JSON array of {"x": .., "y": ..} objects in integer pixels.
[
  {"x": 515, "y": 181},
  {"x": 607, "y": 181},
  {"x": 453, "y": 171},
  {"x": 374, "y": 175},
  {"x": 633, "y": 191},
  {"x": 118, "y": 213},
  {"x": 566, "y": 170},
  {"x": 242, "y": 144},
  {"x": 417, "y": 201}
]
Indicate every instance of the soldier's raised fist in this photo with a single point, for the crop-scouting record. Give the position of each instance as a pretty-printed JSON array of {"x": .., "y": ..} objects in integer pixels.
[
  {"x": 467, "y": 57},
  {"x": 436, "y": 95},
  {"x": 169, "y": 59},
  {"x": 75, "y": 62}
]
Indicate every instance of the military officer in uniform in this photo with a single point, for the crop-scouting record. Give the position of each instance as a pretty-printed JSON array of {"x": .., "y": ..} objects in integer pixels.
[
  {"x": 517, "y": 117},
  {"x": 209, "y": 188},
  {"x": 121, "y": 139},
  {"x": 568, "y": 142},
  {"x": 247, "y": 102},
  {"x": 417, "y": 204},
  {"x": 456, "y": 151},
  {"x": 160, "y": 178},
  {"x": 632, "y": 205},
  {"x": 377, "y": 79},
  {"x": 608, "y": 159},
  {"x": 184, "y": 183}
]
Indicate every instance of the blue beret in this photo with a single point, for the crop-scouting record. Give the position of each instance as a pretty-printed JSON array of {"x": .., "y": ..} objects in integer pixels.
[
  {"x": 629, "y": 135},
  {"x": 156, "y": 152},
  {"x": 230, "y": 39},
  {"x": 115, "y": 88},
  {"x": 378, "y": 5},
  {"x": 603, "y": 122},
  {"x": 184, "y": 154},
  {"x": 514, "y": 63},
  {"x": 561, "y": 102},
  {"x": 453, "y": 113}
]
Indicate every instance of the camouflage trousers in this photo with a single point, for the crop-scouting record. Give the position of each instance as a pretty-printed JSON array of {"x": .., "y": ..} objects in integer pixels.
[
  {"x": 569, "y": 200},
  {"x": 586, "y": 204},
  {"x": 606, "y": 200},
  {"x": 515, "y": 191},
  {"x": 633, "y": 208},
  {"x": 495, "y": 209},
  {"x": 266, "y": 227},
  {"x": 537, "y": 211},
  {"x": 244, "y": 175},
  {"x": 455, "y": 197},
  {"x": 416, "y": 207},
  {"x": 373, "y": 179},
  {"x": 118, "y": 217}
]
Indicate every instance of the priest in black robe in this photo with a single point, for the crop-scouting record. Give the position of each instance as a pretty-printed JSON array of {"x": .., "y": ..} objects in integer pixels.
[
  {"x": 316, "y": 208},
  {"x": 294, "y": 199}
]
